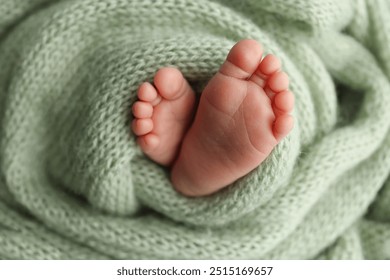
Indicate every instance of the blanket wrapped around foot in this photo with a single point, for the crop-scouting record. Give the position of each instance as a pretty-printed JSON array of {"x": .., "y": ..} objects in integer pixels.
[{"x": 74, "y": 184}]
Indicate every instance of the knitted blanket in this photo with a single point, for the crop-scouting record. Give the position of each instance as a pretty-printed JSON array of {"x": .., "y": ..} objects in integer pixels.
[{"x": 74, "y": 184}]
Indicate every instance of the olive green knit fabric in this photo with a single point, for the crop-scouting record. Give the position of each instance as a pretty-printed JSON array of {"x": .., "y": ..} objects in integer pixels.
[{"x": 74, "y": 184}]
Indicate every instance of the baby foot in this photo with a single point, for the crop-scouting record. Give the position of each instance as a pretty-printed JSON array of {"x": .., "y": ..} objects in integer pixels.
[
  {"x": 242, "y": 115},
  {"x": 162, "y": 115}
]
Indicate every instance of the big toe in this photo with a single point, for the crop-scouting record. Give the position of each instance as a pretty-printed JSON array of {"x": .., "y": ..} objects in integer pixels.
[
  {"x": 170, "y": 83},
  {"x": 243, "y": 59}
]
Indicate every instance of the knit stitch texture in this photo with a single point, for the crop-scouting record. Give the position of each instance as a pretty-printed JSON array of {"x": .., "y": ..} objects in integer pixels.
[{"x": 74, "y": 184}]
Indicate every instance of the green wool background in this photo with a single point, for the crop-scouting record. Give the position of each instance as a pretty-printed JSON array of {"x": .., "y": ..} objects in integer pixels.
[{"x": 74, "y": 184}]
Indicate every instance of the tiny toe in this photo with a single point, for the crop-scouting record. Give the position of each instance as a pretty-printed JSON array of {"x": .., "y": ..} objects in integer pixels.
[
  {"x": 170, "y": 83},
  {"x": 142, "y": 110},
  {"x": 148, "y": 142},
  {"x": 147, "y": 93},
  {"x": 142, "y": 126},
  {"x": 242, "y": 60},
  {"x": 278, "y": 82},
  {"x": 269, "y": 65},
  {"x": 284, "y": 101},
  {"x": 282, "y": 126}
]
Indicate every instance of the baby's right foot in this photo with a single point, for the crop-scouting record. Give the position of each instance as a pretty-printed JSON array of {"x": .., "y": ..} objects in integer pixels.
[
  {"x": 243, "y": 113},
  {"x": 162, "y": 115}
]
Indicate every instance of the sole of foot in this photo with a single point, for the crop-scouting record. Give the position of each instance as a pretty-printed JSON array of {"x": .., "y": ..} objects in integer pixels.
[
  {"x": 243, "y": 113},
  {"x": 163, "y": 114}
]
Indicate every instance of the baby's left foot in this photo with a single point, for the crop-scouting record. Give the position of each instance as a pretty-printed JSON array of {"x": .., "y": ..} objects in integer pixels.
[{"x": 162, "y": 115}]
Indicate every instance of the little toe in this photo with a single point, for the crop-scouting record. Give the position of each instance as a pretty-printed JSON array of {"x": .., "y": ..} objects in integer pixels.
[
  {"x": 278, "y": 82},
  {"x": 282, "y": 126},
  {"x": 142, "y": 110},
  {"x": 242, "y": 60},
  {"x": 284, "y": 101},
  {"x": 170, "y": 83},
  {"x": 142, "y": 126},
  {"x": 148, "y": 142},
  {"x": 148, "y": 93}
]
